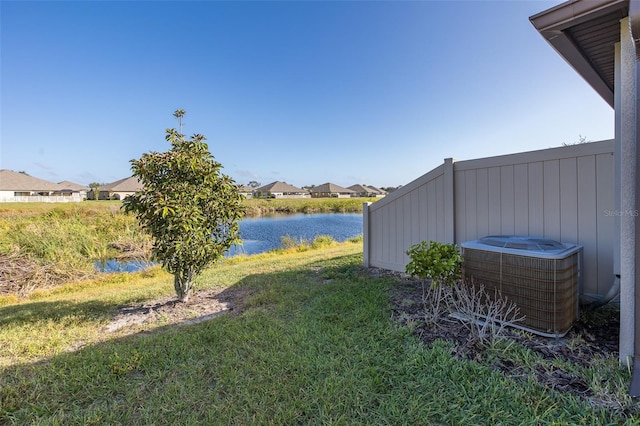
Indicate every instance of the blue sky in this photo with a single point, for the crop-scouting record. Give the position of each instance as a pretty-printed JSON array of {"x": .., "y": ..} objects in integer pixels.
[{"x": 306, "y": 92}]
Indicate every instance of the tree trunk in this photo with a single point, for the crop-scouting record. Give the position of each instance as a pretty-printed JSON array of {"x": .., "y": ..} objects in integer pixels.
[{"x": 183, "y": 283}]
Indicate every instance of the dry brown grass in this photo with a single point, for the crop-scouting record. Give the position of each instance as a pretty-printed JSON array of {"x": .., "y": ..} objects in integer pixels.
[{"x": 20, "y": 275}]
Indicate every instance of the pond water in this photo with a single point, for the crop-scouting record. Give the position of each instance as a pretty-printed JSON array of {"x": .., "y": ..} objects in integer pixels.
[
  {"x": 113, "y": 265},
  {"x": 264, "y": 233}
]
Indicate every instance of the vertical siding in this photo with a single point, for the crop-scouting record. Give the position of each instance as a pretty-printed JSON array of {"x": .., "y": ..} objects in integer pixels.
[
  {"x": 507, "y": 207},
  {"x": 495, "y": 217},
  {"x": 407, "y": 226},
  {"x": 405, "y": 217},
  {"x": 398, "y": 234},
  {"x": 605, "y": 234},
  {"x": 568, "y": 200},
  {"x": 587, "y": 219},
  {"x": 551, "y": 198},
  {"x": 482, "y": 206},
  {"x": 560, "y": 193},
  {"x": 414, "y": 231},
  {"x": 471, "y": 206},
  {"x": 461, "y": 193},
  {"x": 432, "y": 217},
  {"x": 423, "y": 219},
  {"x": 439, "y": 202},
  {"x": 536, "y": 198},
  {"x": 521, "y": 199}
]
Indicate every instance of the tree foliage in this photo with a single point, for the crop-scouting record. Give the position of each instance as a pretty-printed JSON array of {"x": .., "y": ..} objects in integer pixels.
[
  {"x": 581, "y": 140},
  {"x": 95, "y": 190},
  {"x": 439, "y": 262},
  {"x": 190, "y": 208},
  {"x": 442, "y": 264}
]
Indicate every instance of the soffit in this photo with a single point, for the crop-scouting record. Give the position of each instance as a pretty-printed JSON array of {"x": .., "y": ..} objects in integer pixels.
[
  {"x": 597, "y": 39},
  {"x": 584, "y": 33}
]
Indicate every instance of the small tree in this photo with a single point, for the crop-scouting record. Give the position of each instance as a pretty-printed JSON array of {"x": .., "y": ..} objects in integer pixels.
[
  {"x": 95, "y": 190},
  {"x": 442, "y": 265},
  {"x": 187, "y": 205}
]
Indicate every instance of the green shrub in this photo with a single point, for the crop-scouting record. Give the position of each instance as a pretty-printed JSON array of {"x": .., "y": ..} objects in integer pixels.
[
  {"x": 442, "y": 265},
  {"x": 439, "y": 262},
  {"x": 288, "y": 242},
  {"x": 322, "y": 241}
]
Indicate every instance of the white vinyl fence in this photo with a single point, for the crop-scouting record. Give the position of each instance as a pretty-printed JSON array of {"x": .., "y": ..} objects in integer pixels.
[
  {"x": 41, "y": 199},
  {"x": 565, "y": 193}
]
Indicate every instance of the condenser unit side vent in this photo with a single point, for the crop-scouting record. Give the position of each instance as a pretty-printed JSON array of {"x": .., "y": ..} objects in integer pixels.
[{"x": 540, "y": 276}]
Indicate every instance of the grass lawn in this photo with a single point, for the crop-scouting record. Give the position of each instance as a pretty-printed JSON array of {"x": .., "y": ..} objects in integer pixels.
[{"x": 315, "y": 344}]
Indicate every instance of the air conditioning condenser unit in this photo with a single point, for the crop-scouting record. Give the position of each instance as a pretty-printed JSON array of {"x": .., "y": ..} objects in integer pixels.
[{"x": 539, "y": 275}]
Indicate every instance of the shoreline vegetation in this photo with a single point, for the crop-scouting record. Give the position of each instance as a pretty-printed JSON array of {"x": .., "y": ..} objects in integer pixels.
[
  {"x": 252, "y": 207},
  {"x": 43, "y": 245},
  {"x": 262, "y": 206}
]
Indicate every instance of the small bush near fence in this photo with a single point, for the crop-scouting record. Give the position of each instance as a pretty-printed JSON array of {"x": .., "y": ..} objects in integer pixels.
[{"x": 439, "y": 268}]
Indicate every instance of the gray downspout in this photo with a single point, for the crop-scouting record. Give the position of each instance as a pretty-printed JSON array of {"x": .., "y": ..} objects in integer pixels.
[{"x": 634, "y": 390}]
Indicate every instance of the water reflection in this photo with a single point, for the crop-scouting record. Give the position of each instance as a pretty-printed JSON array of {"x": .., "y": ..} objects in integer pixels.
[
  {"x": 113, "y": 265},
  {"x": 262, "y": 234}
]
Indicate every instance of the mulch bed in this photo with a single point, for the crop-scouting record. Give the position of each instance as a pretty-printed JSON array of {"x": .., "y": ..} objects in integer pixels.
[{"x": 594, "y": 335}]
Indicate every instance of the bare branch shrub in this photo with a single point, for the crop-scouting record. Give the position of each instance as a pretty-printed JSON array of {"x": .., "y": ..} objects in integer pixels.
[
  {"x": 484, "y": 316},
  {"x": 436, "y": 301}
]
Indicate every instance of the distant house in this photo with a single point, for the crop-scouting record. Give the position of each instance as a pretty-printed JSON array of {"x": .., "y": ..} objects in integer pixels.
[
  {"x": 331, "y": 190},
  {"x": 20, "y": 187},
  {"x": 245, "y": 191},
  {"x": 280, "y": 190},
  {"x": 70, "y": 189},
  {"x": 119, "y": 189},
  {"x": 366, "y": 191}
]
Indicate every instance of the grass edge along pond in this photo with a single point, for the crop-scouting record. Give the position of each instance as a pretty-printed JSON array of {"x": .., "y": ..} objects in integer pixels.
[
  {"x": 315, "y": 344},
  {"x": 45, "y": 244}
]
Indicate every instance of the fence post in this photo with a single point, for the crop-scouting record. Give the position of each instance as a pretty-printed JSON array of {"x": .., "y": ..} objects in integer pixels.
[
  {"x": 365, "y": 234},
  {"x": 449, "y": 196}
]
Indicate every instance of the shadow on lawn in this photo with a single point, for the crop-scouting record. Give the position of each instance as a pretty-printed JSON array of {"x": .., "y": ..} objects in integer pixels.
[
  {"x": 40, "y": 311},
  {"x": 98, "y": 374},
  {"x": 255, "y": 290}
]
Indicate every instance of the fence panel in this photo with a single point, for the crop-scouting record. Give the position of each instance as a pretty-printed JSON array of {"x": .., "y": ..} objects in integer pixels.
[{"x": 559, "y": 193}]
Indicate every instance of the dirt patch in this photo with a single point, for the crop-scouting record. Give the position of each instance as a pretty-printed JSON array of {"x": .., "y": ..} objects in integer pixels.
[{"x": 203, "y": 305}]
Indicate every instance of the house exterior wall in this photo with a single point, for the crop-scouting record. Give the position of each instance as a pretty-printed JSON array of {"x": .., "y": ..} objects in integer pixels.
[
  {"x": 560, "y": 193},
  {"x": 35, "y": 196},
  {"x": 6, "y": 196},
  {"x": 121, "y": 195},
  {"x": 625, "y": 97},
  {"x": 280, "y": 195},
  {"x": 330, "y": 195},
  {"x": 114, "y": 195}
]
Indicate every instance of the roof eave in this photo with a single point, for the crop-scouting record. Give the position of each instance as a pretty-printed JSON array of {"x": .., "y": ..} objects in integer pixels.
[
  {"x": 552, "y": 23},
  {"x": 573, "y": 12}
]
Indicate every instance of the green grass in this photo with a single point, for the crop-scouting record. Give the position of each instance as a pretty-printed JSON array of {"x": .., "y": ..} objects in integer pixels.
[
  {"x": 25, "y": 209},
  {"x": 259, "y": 206},
  {"x": 315, "y": 344}
]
